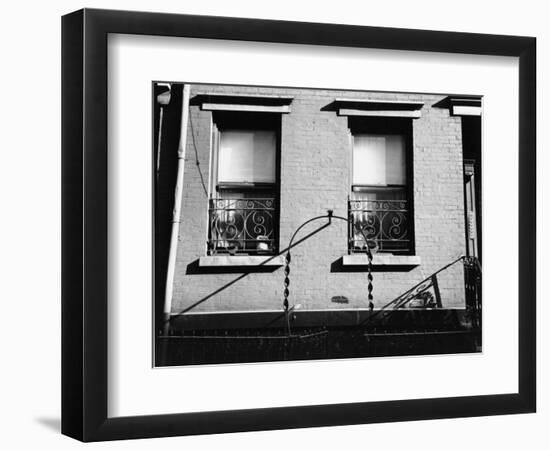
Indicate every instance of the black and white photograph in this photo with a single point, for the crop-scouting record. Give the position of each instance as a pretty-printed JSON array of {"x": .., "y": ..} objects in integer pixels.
[
  {"x": 292, "y": 225},
  {"x": 300, "y": 223}
]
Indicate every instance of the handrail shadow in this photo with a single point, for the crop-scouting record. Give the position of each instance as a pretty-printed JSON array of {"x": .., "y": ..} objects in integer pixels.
[
  {"x": 244, "y": 275},
  {"x": 430, "y": 281}
]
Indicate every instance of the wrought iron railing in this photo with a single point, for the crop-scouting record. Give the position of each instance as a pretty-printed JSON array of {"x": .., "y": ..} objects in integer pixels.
[
  {"x": 384, "y": 225},
  {"x": 427, "y": 293},
  {"x": 242, "y": 226}
]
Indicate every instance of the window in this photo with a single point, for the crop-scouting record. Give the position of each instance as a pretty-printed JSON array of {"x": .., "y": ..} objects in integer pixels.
[
  {"x": 244, "y": 205},
  {"x": 379, "y": 205}
]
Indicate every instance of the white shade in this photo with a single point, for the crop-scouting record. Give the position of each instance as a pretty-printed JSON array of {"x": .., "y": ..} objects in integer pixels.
[
  {"x": 378, "y": 160},
  {"x": 247, "y": 156}
]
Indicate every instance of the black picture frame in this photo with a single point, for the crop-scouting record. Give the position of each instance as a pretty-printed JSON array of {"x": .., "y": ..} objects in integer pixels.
[{"x": 84, "y": 224}]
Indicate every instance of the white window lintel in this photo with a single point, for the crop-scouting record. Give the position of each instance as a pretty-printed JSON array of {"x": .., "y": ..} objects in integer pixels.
[
  {"x": 465, "y": 106},
  {"x": 381, "y": 259},
  {"x": 244, "y": 102},
  {"x": 378, "y": 108},
  {"x": 241, "y": 261}
]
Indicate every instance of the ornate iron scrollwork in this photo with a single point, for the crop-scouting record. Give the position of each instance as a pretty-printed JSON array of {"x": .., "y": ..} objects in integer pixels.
[
  {"x": 383, "y": 222},
  {"x": 242, "y": 225}
]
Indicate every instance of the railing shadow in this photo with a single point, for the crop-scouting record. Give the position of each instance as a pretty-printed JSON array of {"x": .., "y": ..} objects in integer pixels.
[
  {"x": 427, "y": 283},
  {"x": 430, "y": 282},
  {"x": 244, "y": 275}
]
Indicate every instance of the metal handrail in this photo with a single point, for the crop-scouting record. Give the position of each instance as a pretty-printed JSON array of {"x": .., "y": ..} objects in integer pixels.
[
  {"x": 330, "y": 215},
  {"x": 406, "y": 297}
]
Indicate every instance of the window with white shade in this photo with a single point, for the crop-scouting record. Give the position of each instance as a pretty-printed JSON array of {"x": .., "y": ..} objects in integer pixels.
[
  {"x": 244, "y": 202},
  {"x": 378, "y": 160},
  {"x": 247, "y": 156},
  {"x": 379, "y": 203}
]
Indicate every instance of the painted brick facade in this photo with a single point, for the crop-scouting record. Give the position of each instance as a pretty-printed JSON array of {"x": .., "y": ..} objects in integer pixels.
[{"x": 315, "y": 175}]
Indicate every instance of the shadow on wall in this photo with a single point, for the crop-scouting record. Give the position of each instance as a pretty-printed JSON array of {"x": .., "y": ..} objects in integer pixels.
[
  {"x": 165, "y": 156},
  {"x": 164, "y": 185},
  {"x": 194, "y": 269},
  {"x": 338, "y": 266}
]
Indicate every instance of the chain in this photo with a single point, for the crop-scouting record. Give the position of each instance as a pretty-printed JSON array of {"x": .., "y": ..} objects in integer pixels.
[
  {"x": 369, "y": 268},
  {"x": 330, "y": 216},
  {"x": 369, "y": 276},
  {"x": 287, "y": 281},
  {"x": 286, "y": 291}
]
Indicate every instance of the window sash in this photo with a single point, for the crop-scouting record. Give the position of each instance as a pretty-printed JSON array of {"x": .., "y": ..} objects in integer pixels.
[
  {"x": 379, "y": 160},
  {"x": 247, "y": 157}
]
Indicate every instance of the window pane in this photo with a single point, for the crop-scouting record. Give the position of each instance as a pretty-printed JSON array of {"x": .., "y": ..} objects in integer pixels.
[
  {"x": 378, "y": 160},
  {"x": 247, "y": 156}
]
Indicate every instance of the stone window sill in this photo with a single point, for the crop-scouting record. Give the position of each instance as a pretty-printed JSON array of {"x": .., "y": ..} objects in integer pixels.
[
  {"x": 242, "y": 261},
  {"x": 382, "y": 260}
]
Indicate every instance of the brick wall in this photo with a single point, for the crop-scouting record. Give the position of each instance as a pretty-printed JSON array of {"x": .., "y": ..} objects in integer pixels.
[{"x": 316, "y": 176}]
